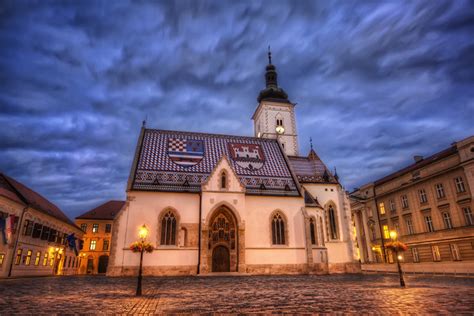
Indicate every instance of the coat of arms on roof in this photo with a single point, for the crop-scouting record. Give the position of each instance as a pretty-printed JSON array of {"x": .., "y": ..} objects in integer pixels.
[
  {"x": 248, "y": 156},
  {"x": 185, "y": 152}
]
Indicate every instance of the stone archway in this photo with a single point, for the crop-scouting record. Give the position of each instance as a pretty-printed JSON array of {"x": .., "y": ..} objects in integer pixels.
[{"x": 223, "y": 241}]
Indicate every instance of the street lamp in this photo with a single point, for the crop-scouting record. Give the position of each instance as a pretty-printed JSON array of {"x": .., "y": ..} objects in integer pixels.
[
  {"x": 142, "y": 234},
  {"x": 393, "y": 237}
]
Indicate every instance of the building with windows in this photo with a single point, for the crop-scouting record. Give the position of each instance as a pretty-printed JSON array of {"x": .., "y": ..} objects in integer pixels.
[
  {"x": 222, "y": 203},
  {"x": 429, "y": 204},
  {"x": 97, "y": 227},
  {"x": 36, "y": 236}
]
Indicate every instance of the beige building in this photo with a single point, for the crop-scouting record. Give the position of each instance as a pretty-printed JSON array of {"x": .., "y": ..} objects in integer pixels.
[
  {"x": 34, "y": 234},
  {"x": 429, "y": 204},
  {"x": 97, "y": 227},
  {"x": 223, "y": 203}
]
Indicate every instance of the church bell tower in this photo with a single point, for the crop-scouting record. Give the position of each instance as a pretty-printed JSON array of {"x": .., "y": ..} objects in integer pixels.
[{"x": 275, "y": 114}]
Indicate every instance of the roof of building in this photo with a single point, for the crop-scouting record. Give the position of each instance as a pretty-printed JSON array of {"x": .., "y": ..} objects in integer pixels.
[
  {"x": 311, "y": 169},
  {"x": 19, "y": 192},
  {"x": 417, "y": 165},
  {"x": 181, "y": 161},
  {"x": 106, "y": 211},
  {"x": 311, "y": 201}
]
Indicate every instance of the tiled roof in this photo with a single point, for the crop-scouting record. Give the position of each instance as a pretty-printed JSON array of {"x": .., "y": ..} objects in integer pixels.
[
  {"x": 311, "y": 169},
  {"x": 31, "y": 198},
  {"x": 108, "y": 210},
  {"x": 417, "y": 165},
  {"x": 155, "y": 170},
  {"x": 309, "y": 200}
]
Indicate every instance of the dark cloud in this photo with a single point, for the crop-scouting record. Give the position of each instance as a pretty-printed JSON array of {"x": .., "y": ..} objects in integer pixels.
[{"x": 375, "y": 82}]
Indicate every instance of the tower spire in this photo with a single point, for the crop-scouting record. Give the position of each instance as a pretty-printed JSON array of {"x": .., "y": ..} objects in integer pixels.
[
  {"x": 269, "y": 55},
  {"x": 311, "y": 143}
]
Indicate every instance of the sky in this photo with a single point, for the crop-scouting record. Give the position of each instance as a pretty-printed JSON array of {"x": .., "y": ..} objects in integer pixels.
[{"x": 375, "y": 82}]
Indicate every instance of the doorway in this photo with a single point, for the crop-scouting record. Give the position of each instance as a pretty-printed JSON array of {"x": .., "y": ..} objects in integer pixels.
[
  {"x": 220, "y": 259},
  {"x": 103, "y": 263}
]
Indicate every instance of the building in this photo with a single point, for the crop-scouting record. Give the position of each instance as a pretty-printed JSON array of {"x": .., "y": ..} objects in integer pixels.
[
  {"x": 97, "y": 227},
  {"x": 222, "y": 203},
  {"x": 429, "y": 204},
  {"x": 34, "y": 234}
]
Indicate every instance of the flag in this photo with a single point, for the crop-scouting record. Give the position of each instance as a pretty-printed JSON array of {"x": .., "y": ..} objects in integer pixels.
[{"x": 71, "y": 241}]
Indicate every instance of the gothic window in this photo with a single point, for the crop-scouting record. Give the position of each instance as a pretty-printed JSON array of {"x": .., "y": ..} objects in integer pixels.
[
  {"x": 332, "y": 222},
  {"x": 168, "y": 229},
  {"x": 312, "y": 230},
  {"x": 278, "y": 229},
  {"x": 223, "y": 180},
  {"x": 279, "y": 122}
]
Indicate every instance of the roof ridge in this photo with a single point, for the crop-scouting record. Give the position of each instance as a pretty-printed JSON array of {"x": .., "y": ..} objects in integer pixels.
[{"x": 211, "y": 134}]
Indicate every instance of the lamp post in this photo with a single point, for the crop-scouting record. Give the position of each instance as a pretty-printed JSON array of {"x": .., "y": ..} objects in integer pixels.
[
  {"x": 142, "y": 234},
  {"x": 393, "y": 237}
]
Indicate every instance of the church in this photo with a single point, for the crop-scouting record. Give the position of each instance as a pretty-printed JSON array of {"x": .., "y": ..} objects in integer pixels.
[{"x": 218, "y": 203}]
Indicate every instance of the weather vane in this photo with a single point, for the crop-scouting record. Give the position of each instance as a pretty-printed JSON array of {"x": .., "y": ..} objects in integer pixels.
[{"x": 269, "y": 55}]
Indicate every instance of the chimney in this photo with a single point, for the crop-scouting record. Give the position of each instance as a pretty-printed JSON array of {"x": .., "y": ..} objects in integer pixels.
[{"x": 418, "y": 158}]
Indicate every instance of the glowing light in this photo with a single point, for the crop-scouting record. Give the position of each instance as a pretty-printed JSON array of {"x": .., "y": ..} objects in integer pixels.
[
  {"x": 393, "y": 235},
  {"x": 143, "y": 232},
  {"x": 400, "y": 257}
]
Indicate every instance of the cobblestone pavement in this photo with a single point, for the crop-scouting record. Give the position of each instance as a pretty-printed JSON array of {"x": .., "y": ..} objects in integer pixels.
[{"x": 244, "y": 294}]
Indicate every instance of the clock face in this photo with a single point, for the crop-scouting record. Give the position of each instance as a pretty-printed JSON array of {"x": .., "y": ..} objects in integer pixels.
[{"x": 280, "y": 129}]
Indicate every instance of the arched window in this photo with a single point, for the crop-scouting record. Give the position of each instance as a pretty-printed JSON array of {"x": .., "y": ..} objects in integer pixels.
[
  {"x": 278, "y": 229},
  {"x": 168, "y": 229},
  {"x": 332, "y": 222},
  {"x": 312, "y": 231},
  {"x": 320, "y": 231},
  {"x": 223, "y": 180}
]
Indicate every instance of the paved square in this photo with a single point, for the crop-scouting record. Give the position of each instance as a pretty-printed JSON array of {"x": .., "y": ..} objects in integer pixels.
[{"x": 297, "y": 294}]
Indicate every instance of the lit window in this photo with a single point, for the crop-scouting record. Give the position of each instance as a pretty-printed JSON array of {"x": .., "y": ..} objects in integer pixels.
[
  {"x": 404, "y": 201},
  {"x": 95, "y": 228},
  {"x": 108, "y": 228},
  {"x": 429, "y": 224},
  {"x": 38, "y": 258},
  {"x": 18, "y": 256},
  {"x": 440, "y": 191},
  {"x": 455, "y": 252},
  {"x": 278, "y": 230},
  {"x": 459, "y": 185},
  {"x": 386, "y": 232},
  {"x": 416, "y": 256},
  {"x": 382, "y": 208},
  {"x": 392, "y": 206},
  {"x": 396, "y": 226},
  {"x": 423, "y": 197},
  {"x": 84, "y": 227},
  {"x": 45, "y": 259},
  {"x": 447, "y": 220},
  {"x": 168, "y": 229},
  {"x": 436, "y": 253},
  {"x": 2, "y": 258},
  {"x": 410, "y": 228},
  {"x": 106, "y": 245},
  {"x": 468, "y": 216},
  {"x": 93, "y": 245},
  {"x": 29, "y": 253}
]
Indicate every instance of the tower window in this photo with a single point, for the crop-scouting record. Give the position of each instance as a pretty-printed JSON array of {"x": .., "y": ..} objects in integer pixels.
[
  {"x": 223, "y": 180},
  {"x": 279, "y": 122}
]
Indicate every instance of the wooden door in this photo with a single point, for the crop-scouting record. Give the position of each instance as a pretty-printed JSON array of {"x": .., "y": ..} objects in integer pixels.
[
  {"x": 220, "y": 259},
  {"x": 103, "y": 262}
]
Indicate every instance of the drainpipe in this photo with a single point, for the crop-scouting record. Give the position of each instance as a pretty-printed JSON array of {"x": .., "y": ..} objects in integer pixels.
[
  {"x": 20, "y": 225},
  {"x": 199, "y": 233}
]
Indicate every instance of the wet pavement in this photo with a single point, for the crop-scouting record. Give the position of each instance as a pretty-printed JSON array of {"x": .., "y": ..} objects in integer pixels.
[{"x": 363, "y": 293}]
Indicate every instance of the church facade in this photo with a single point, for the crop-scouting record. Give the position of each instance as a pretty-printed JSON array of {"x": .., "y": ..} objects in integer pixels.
[{"x": 221, "y": 203}]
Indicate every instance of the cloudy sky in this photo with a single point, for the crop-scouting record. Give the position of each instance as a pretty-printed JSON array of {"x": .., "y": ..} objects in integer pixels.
[{"x": 376, "y": 82}]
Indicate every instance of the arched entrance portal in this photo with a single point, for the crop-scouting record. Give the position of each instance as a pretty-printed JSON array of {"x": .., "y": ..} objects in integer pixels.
[
  {"x": 223, "y": 241},
  {"x": 103, "y": 263}
]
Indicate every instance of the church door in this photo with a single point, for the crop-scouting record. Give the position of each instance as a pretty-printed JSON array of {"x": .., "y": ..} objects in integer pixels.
[
  {"x": 220, "y": 259},
  {"x": 103, "y": 262}
]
